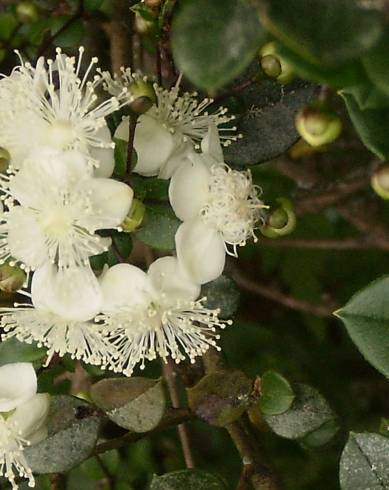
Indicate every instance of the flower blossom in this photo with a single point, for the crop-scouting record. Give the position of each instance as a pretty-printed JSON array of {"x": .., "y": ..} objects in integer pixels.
[
  {"x": 52, "y": 105},
  {"x": 171, "y": 128},
  {"x": 219, "y": 208},
  {"x": 157, "y": 313},
  {"x": 60, "y": 318},
  {"x": 54, "y": 206},
  {"x": 23, "y": 415}
]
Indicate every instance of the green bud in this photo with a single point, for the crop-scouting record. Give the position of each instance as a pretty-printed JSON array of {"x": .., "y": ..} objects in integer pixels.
[
  {"x": 5, "y": 158},
  {"x": 271, "y": 66},
  {"x": 280, "y": 221},
  {"x": 380, "y": 181},
  {"x": 135, "y": 216},
  {"x": 274, "y": 63},
  {"x": 318, "y": 126},
  {"x": 27, "y": 12},
  {"x": 11, "y": 278},
  {"x": 141, "y": 105}
]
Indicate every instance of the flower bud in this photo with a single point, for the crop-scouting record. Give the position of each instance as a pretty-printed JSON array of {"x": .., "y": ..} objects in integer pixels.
[
  {"x": 135, "y": 216},
  {"x": 11, "y": 278},
  {"x": 280, "y": 221},
  {"x": 273, "y": 65},
  {"x": 5, "y": 158},
  {"x": 318, "y": 126},
  {"x": 26, "y": 12},
  {"x": 141, "y": 105},
  {"x": 380, "y": 181}
]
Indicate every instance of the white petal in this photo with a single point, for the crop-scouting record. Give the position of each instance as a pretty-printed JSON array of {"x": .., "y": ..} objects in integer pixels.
[
  {"x": 105, "y": 156},
  {"x": 153, "y": 144},
  {"x": 26, "y": 239},
  {"x": 111, "y": 201},
  {"x": 169, "y": 281},
  {"x": 18, "y": 383},
  {"x": 31, "y": 416},
  {"x": 211, "y": 146},
  {"x": 73, "y": 294},
  {"x": 176, "y": 159},
  {"x": 124, "y": 285},
  {"x": 200, "y": 251},
  {"x": 189, "y": 189}
]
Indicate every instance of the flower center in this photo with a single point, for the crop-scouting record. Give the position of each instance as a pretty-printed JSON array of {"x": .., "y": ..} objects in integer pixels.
[
  {"x": 60, "y": 134},
  {"x": 233, "y": 207},
  {"x": 57, "y": 222}
]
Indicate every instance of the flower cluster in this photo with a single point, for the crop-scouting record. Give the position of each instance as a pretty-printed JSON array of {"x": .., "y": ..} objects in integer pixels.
[
  {"x": 58, "y": 194},
  {"x": 23, "y": 415}
]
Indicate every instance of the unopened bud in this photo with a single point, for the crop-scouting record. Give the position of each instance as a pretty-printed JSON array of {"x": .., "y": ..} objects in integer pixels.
[
  {"x": 280, "y": 221},
  {"x": 273, "y": 65},
  {"x": 11, "y": 278},
  {"x": 5, "y": 158},
  {"x": 318, "y": 126},
  {"x": 380, "y": 181},
  {"x": 27, "y": 12},
  {"x": 135, "y": 216}
]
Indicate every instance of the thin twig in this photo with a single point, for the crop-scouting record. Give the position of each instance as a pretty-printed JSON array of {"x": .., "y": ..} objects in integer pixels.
[
  {"x": 170, "y": 377},
  {"x": 359, "y": 243},
  {"x": 119, "y": 31},
  {"x": 108, "y": 475},
  {"x": 271, "y": 292}
]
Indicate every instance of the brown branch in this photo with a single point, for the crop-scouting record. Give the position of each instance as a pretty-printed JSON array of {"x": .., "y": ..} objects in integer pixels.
[
  {"x": 173, "y": 417},
  {"x": 170, "y": 377},
  {"x": 359, "y": 243},
  {"x": 119, "y": 30},
  {"x": 272, "y": 293}
]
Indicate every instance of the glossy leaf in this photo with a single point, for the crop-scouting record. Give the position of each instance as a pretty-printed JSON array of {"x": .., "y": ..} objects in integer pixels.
[
  {"x": 276, "y": 394},
  {"x": 158, "y": 227},
  {"x": 223, "y": 294},
  {"x": 188, "y": 479}
]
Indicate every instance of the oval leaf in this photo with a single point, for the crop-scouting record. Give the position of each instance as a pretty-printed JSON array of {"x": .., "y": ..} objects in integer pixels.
[
  {"x": 213, "y": 42},
  {"x": 73, "y": 431},
  {"x": 223, "y": 294},
  {"x": 276, "y": 394},
  {"x": 308, "y": 413},
  {"x": 136, "y": 404},
  {"x": 365, "y": 462},
  {"x": 158, "y": 227},
  {"x": 188, "y": 479},
  {"x": 366, "y": 318},
  {"x": 267, "y": 124}
]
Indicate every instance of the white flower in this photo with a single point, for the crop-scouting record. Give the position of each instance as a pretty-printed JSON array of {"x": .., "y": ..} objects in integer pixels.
[
  {"x": 171, "y": 128},
  {"x": 64, "y": 304},
  {"x": 55, "y": 205},
  {"x": 155, "y": 314},
  {"x": 23, "y": 415},
  {"x": 219, "y": 207},
  {"x": 52, "y": 105}
]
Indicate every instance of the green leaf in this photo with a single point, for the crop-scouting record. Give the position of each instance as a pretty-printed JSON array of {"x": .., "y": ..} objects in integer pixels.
[
  {"x": 158, "y": 227},
  {"x": 267, "y": 124},
  {"x": 276, "y": 394},
  {"x": 71, "y": 36},
  {"x": 12, "y": 350},
  {"x": 136, "y": 404},
  {"x": 150, "y": 188},
  {"x": 367, "y": 96},
  {"x": 364, "y": 464},
  {"x": 222, "y": 293},
  {"x": 221, "y": 397},
  {"x": 309, "y": 412},
  {"x": 213, "y": 42},
  {"x": 328, "y": 32},
  {"x": 122, "y": 243},
  {"x": 376, "y": 63},
  {"x": 366, "y": 318},
  {"x": 188, "y": 479},
  {"x": 73, "y": 430},
  {"x": 7, "y": 25}
]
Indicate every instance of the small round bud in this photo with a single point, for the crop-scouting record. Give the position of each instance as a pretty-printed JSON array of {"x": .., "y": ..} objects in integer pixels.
[
  {"x": 280, "y": 221},
  {"x": 27, "y": 12},
  {"x": 5, "y": 158},
  {"x": 11, "y": 278},
  {"x": 141, "y": 105},
  {"x": 271, "y": 66},
  {"x": 274, "y": 62},
  {"x": 380, "y": 181},
  {"x": 318, "y": 126},
  {"x": 135, "y": 216},
  {"x": 141, "y": 88}
]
